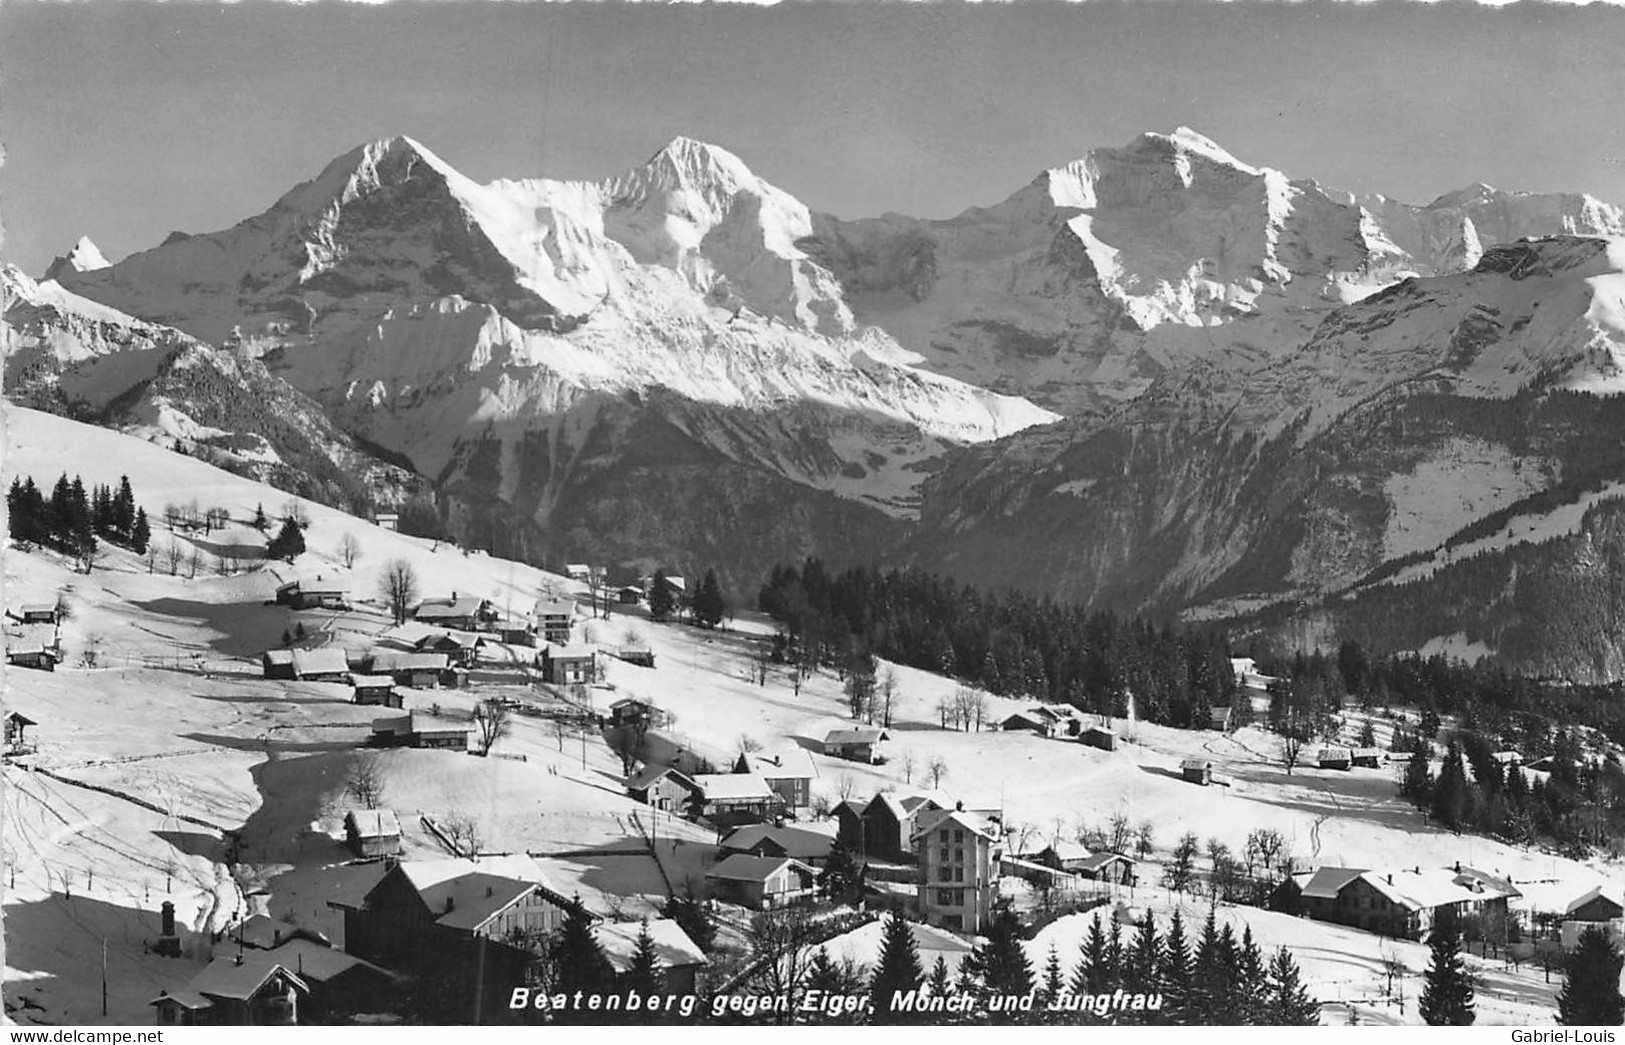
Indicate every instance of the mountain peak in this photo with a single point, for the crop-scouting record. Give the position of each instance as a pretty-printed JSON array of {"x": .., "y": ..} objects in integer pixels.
[
  {"x": 1186, "y": 142},
  {"x": 692, "y": 163},
  {"x": 84, "y": 257}
]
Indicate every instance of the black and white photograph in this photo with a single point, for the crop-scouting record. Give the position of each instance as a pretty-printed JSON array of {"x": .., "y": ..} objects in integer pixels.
[{"x": 715, "y": 515}]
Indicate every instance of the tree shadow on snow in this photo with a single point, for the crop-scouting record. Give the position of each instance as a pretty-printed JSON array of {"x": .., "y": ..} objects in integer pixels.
[{"x": 194, "y": 843}]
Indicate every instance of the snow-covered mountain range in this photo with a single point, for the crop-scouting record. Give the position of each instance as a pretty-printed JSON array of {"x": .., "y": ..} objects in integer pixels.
[{"x": 1131, "y": 369}]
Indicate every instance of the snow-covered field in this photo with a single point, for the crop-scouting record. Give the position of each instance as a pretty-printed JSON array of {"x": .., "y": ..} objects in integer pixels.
[{"x": 176, "y": 722}]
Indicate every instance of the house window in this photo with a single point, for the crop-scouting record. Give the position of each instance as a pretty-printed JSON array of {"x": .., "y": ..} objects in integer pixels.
[
  {"x": 942, "y": 856},
  {"x": 943, "y": 834},
  {"x": 959, "y": 835},
  {"x": 945, "y": 898}
]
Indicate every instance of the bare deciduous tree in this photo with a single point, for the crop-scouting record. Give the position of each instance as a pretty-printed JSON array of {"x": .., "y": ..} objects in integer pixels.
[
  {"x": 886, "y": 691},
  {"x": 1120, "y": 833},
  {"x": 173, "y": 554},
  {"x": 365, "y": 781},
  {"x": 462, "y": 831},
  {"x": 294, "y": 511},
  {"x": 398, "y": 583},
  {"x": 938, "y": 768},
  {"x": 909, "y": 764},
  {"x": 349, "y": 549},
  {"x": 491, "y": 719},
  {"x": 786, "y": 940},
  {"x": 194, "y": 560},
  {"x": 150, "y": 556}
]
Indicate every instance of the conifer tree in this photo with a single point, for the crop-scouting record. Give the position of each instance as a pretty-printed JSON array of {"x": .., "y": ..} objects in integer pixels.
[
  {"x": 709, "y": 605},
  {"x": 1450, "y": 790},
  {"x": 289, "y": 543},
  {"x": 645, "y": 975},
  {"x": 1091, "y": 973},
  {"x": 1002, "y": 961},
  {"x": 1052, "y": 985},
  {"x": 1144, "y": 957},
  {"x": 938, "y": 981},
  {"x": 124, "y": 509},
  {"x": 579, "y": 962},
  {"x": 1251, "y": 986},
  {"x": 661, "y": 602},
  {"x": 1288, "y": 1003},
  {"x": 1116, "y": 958},
  {"x": 140, "y": 532},
  {"x": 1447, "y": 997},
  {"x": 831, "y": 978},
  {"x": 898, "y": 971},
  {"x": 1418, "y": 782},
  {"x": 261, "y": 523},
  {"x": 1174, "y": 971},
  {"x": 841, "y": 876},
  {"x": 1590, "y": 995}
]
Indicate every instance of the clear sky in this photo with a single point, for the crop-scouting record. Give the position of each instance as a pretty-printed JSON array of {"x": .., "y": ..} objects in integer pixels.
[{"x": 126, "y": 120}]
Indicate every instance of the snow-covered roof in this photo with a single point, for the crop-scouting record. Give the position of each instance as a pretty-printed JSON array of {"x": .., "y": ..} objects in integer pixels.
[
  {"x": 396, "y": 660},
  {"x": 1428, "y": 887},
  {"x": 1196, "y": 763},
  {"x": 325, "y": 661},
  {"x": 863, "y": 945},
  {"x": 424, "y": 873},
  {"x": 319, "y": 963},
  {"x": 263, "y": 931},
  {"x": 648, "y": 775},
  {"x": 672, "y": 946},
  {"x": 433, "y": 609},
  {"x": 732, "y": 786},
  {"x": 802, "y": 845},
  {"x": 1098, "y": 860},
  {"x": 278, "y": 656},
  {"x": 1327, "y": 882},
  {"x": 1505, "y": 757},
  {"x": 459, "y": 639},
  {"x": 975, "y": 822},
  {"x": 554, "y": 608},
  {"x": 568, "y": 651},
  {"x": 238, "y": 979},
  {"x": 859, "y": 735},
  {"x": 782, "y": 764},
  {"x": 371, "y": 681},
  {"x": 1607, "y": 892},
  {"x": 1066, "y": 849},
  {"x": 374, "y": 823},
  {"x": 1335, "y": 754},
  {"x": 742, "y": 867},
  {"x": 474, "y": 898}
]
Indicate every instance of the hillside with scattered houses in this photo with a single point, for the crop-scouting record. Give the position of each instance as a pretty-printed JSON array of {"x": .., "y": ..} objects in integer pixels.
[{"x": 326, "y": 781}]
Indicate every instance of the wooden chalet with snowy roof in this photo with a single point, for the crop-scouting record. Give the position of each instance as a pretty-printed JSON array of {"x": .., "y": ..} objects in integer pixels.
[
  {"x": 262, "y": 932},
  {"x": 418, "y": 730},
  {"x": 1335, "y": 758},
  {"x": 372, "y": 832},
  {"x": 788, "y": 771},
  {"x": 459, "y": 613},
  {"x": 1400, "y": 903},
  {"x": 1100, "y": 737},
  {"x": 460, "y": 647},
  {"x": 324, "y": 664},
  {"x": 1197, "y": 771},
  {"x": 312, "y": 595},
  {"x": 565, "y": 665},
  {"x": 882, "y": 828},
  {"x": 1219, "y": 719},
  {"x": 812, "y": 847},
  {"x": 734, "y": 798},
  {"x": 33, "y": 613},
  {"x": 37, "y": 656},
  {"x": 857, "y": 744},
  {"x": 414, "y": 670},
  {"x": 663, "y": 787},
  {"x": 1366, "y": 758},
  {"x": 240, "y": 990},
  {"x": 635, "y": 713},
  {"x": 470, "y": 926},
  {"x": 376, "y": 690},
  {"x": 16, "y": 739},
  {"x": 762, "y": 883}
]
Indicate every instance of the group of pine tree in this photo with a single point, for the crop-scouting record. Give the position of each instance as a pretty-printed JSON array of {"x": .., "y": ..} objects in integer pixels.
[
  {"x": 71, "y": 519},
  {"x": 1215, "y": 978},
  {"x": 1011, "y": 644}
]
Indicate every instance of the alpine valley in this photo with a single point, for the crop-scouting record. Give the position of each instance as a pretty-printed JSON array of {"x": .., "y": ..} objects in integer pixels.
[{"x": 1155, "y": 379}]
